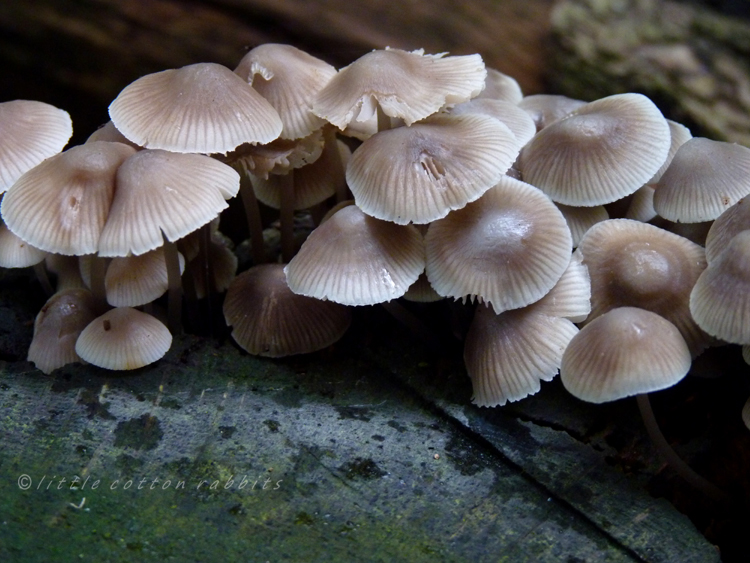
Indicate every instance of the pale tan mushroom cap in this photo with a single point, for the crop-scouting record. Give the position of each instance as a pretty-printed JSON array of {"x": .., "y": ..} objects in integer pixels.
[
  {"x": 62, "y": 204},
  {"x": 641, "y": 206},
  {"x": 132, "y": 281},
  {"x": 163, "y": 192},
  {"x": 57, "y": 326},
  {"x": 108, "y": 132},
  {"x": 545, "y": 109},
  {"x": 508, "y": 355},
  {"x": 704, "y": 179},
  {"x": 30, "y": 131},
  {"x": 627, "y": 351},
  {"x": 267, "y": 319},
  {"x": 421, "y": 291},
  {"x": 570, "y": 297},
  {"x": 517, "y": 120},
  {"x": 499, "y": 86},
  {"x": 123, "y": 339},
  {"x": 638, "y": 265},
  {"x": 16, "y": 252},
  {"x": 728, "y": 225},
  {"x": 720, "y": 300},
  {"x": 406, "y": 85},
  {"x": 509, "y": 247},
  {"x": 289, "y": 79},
  {"x": 355, "y": 259},
  {"x": 420, "y": 173},
  {"x": 581, "y": 219},
  {"x": 599, "y": 153},
  {"x": 277, "y": 157},
  {"x": 199, "y": 108},
  {"x": 679, "y": 136}
]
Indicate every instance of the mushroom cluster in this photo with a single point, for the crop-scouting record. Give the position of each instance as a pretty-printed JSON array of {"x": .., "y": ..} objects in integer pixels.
[{"x": 428, "y": 177}]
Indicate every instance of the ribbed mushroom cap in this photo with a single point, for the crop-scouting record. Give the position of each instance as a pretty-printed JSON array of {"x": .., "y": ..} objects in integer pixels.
[
  {"x": 545, "y": 109},
  {"x": 641, "y": 206},
  {"x": 313, "y": 183},
  {"x": 704, "y": 179},
  {"x": 223, "y": 267},
  {"x": 728, "y": 225},
  {"x": 508, "y": 355},
  {"x": 598, "y": 154},
  {"x": 289, "y": 79},
  {"x": 406, "y": 85},
  {"x": 509, "y": 247},
  {"x": 679, "y": 136},
  {"x": 162, "y": 192},
  {"x": 16, "y": 252},
  {"x": 267, "y": 319},
  {"x": 581, "y": 219},
  {"x": 499, "y": 86},
  {"x": 30, "y": 131},
  {"x": 627, "y": 351},
  {"x": 203, "y": 108},
  {"x": 720, "y": 300},
  {"x": 570, "y": 297},
  {"x": 57, "y": 326},
  {"x": 132, "y": 281},
  {"x": 122, "y": 339},
  {"x": 421, "y": 291},
  {"x": 638, "y": 265},
  {"x": 61, "y": 205},
  {"x": 108, "y": 132},
  {"x": 355, "y": 259},
  {"x": 420, "y": 173},
  {"x": 517, "y": 120}
]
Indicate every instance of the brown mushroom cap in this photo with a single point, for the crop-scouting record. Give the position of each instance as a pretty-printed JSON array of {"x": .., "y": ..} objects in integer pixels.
[
  {"x": 61, "y": 205},
  {"x": 57, "y": 326},
  {"x": 267, "y": 319},
  {"x": 123, "y": 339},
  {"x": 199, "y": 108},
  {"x": 508, "y": 355},
  {"x": 355, "y": 259},
  {"x": 720, "y": 300},
  {"x": 30, "y": 131},
  {"x": 638, "y": 265},
  {"x": 627, "y": 351},
  {"x": 599, "y": 153},
  {"x": 406, "y": 85},
  {"x": 509, "y": 247},
  {"x": 419, "y": 173},
  {"x": 704, "y": 179},
  {"x": 160, "y": 193},
  {"x": 289, "y": 79}
]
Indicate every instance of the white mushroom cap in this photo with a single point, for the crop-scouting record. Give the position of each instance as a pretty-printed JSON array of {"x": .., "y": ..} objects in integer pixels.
[
  {"x": 627, "y": 351},
  {"x": 123, "y": 339}
]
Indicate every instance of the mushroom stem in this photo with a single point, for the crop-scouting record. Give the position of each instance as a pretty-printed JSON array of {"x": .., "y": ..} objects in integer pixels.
[
  {"x": 41, "y": 275},
  {"x": 254, "y": 222},
  {"x": 286, "y": 215},
  {"x": 331, "y": 150},
  {"x": 174, "y": 287},
  {"x": 671, "y": 457},
  {"x": 99, "y": 266}
]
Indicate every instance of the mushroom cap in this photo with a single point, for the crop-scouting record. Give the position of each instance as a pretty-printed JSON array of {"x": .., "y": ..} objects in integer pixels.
[
  {"x": 508, "y": 355},
  {"x": 581, "y": 219},
  {"x": 16, "y": 252},
  {"x": 30, "y": 131},
  {"x": 499, "y": 86},
  {"x": 421, "y": 291},
  {"x": 199, "y": 108},
  {"x": 132, "y": 281},
  {"x": 720, "y": 300},
  {"x": 638, "y": 265},
  {"x": 355, "y": 259},
  {"x": 599, "y": 153},
  {"x": 704, "y": 179},
  {"x": 545, "y": 109},
  {"x": 420, "y": 173},
  {"x": 627, "y": 351},
  {"x": 123, "y": 339},
  {"x": 289, "y": 79},
  {"x": 570, "y": 297},
  {"x": 267, "y": 319},
  {"x": 727, "y": 226},
  {"x": 108, "y": 132},
  {"x": 641, "y": 206},
  {"x": 57, "y": 326},
  {"x": 164, "y": 194},
  {"x": 61, "y": 205},
  {"x": 406, "y": 84},
  {"x": 509, "y": 247},
  {"x": 679, "y": 136},
  {"x": 517, "y": 120}
]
